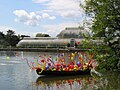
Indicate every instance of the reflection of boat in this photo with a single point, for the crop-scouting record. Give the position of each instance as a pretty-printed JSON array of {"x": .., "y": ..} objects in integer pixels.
[
  {"x": 62, "y": 73},
  {"x": 52, "y": 79},
  {"x": 63, "y": 82}
]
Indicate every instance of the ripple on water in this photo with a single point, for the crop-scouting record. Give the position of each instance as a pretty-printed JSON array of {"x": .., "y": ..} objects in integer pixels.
[{"x": 4, "y": 64}]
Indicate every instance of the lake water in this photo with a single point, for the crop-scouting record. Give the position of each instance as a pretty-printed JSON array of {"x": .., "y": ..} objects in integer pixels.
[{"x": 16, "y": 75}]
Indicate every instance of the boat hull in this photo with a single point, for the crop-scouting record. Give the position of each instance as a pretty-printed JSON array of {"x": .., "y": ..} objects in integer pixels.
[{"x": 62, "y": 73}]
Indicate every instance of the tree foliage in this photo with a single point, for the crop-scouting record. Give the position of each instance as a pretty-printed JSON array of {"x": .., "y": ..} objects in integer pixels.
[
  {"x": 106, "y": 25},
  {"x": 2, "y": 35},
  {"x": 10, "y": 39},
  {"x": 42, "y": 35},
  {"x": 23, "y": 36}
]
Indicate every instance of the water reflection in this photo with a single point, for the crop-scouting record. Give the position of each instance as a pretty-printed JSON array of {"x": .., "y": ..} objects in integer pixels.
[
  {"x": 15, "y": 75},
  {"x": 85, "y": 82}
]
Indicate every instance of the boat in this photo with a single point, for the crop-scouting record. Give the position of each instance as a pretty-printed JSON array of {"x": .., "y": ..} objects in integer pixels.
[
  {"x": 62, "y": 73},
  {"x": 51, "y": 67}
]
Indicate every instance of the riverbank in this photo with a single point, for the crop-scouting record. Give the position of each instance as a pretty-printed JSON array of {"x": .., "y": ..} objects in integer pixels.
[{"x": 43, "y": 49}]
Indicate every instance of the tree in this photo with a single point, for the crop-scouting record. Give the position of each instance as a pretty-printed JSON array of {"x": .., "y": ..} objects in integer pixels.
[
  {"x": 22, "y": 36},
  {"x": 106, "y": 24},
  {"x": 42, "y": 35},
  {"x": 11, "y": 38},
  {"x": 2, "y": 35},
  {"x": 2, "y": 41}
]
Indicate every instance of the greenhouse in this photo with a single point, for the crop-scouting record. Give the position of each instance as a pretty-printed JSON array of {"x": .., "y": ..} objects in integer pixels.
[{"x": 70, "y": 37}]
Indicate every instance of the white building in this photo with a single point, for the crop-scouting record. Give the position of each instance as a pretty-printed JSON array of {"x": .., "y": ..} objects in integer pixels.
[{"x": 70, "y": 37}]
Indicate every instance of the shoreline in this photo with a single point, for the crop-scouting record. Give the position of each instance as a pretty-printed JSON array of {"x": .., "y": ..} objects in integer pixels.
[{"x": 43, "y": 49}]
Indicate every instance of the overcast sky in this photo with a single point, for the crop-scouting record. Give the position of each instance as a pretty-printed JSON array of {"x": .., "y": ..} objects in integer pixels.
[{"x": 29, "y": 17}]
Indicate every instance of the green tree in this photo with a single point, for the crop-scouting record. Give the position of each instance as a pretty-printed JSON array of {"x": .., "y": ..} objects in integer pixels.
[
  {"x": 22, "y": 36},
  {"x": 2, "y": 35},
  {"x": 2, "y": 41},
  {"x": 106, "y": 25},
  {"x": 42, "y": 35},
  {"x": 11, "y": 38}
]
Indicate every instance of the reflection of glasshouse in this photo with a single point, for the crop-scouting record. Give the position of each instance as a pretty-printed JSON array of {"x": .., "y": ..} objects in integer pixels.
[{"x": 70, "y": 37}]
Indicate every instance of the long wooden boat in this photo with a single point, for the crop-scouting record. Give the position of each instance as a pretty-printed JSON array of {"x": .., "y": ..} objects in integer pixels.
[{"x": 62, "y": 73}]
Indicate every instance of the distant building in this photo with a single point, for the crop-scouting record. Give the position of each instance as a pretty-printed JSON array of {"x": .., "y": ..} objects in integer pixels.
[
  {"x": 72, "y": 33},
  {"x": 70, "y": 37}
]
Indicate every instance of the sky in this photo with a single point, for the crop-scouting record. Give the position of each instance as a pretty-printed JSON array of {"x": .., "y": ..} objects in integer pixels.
[{"x": 29, "y": 17}]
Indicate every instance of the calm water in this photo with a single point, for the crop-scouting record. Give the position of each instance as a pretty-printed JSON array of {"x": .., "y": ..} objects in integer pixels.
[{"x": 16, "y": 75}]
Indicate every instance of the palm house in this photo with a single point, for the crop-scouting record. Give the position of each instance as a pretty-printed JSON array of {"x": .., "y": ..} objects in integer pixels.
[{"x": 70, "y": 37}]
